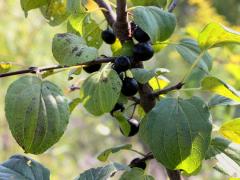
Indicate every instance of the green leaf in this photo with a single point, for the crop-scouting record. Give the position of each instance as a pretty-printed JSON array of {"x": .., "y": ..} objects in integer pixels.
[
  {"x": 83, "y": 25},
  {"x": 158, "y": 24},
  {"x": 231, "y": 130},
  {"x": 37, "y": 113},
  {"x": 178, "y": 132},
  {"x": 226, "y": 155},
  {"x": 21, "y": 168},
  {"x": 135, "y": 174},
  {"x": 216, "y": 35},
  {"x": 102, "y": 173},
  {"x": 74, "y": 103},
  {"x": 69, "y": 49},
  {"x": 32, "y": 4},
  {"x": 218, "y": 100},
  {"x": 100, "y": 91},
  {"x": 123, "y": 123},
  {"x": 143, "y": 75},
  {"x": 219, "y": 87},
  {"x": 5, "y": 67},
  {"x": 55, "y": 11},
  {"x": 103, "y": 156},
  {"x": 189, "y": 50},
  {"x": 161, "y": 3}
]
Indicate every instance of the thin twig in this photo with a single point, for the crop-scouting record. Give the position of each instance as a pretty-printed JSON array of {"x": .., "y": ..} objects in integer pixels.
[
  {"x": 166, "y": 90},
  {"x": 34, "y": 70},
  {"x": 172, "y": 6},
  {"x": 108, "y": 12}
]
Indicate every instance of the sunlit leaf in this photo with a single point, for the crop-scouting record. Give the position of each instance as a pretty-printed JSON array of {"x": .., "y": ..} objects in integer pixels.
[
  {"x": 5, "y": 67},
  {"x": 231, "y": 130},
  {"x": 70, "y": 49},
  {"x": 125, "y": 49},
  {"x": 158, "y": 24},
  {"x": 100, "y": 91},
  {"x": 103, "y": 156},
  {"x": 20, "y": 167},
  {"x": 226, "y": 156},
  {"x": 158, "y": 82},
  {"x": 215, "y": 35},
  {"x": 178, "y": 132},
  {"x": 219, "y": 87}
]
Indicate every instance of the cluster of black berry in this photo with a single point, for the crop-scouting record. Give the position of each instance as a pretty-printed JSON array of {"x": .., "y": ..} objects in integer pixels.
[{"x": 142, "y": 51}]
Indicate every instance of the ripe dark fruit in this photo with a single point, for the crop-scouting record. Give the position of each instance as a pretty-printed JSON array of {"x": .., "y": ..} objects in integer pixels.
[
  {"x": 138, "y": 163},
  {"x": 143, "y": 52},
  {"x": 117, "y": 107},
  {"x": 92, "y": 68},
  {"x": 129, "y": 87},
  {"x": 134, "y": 127},
  {"x": 140, "y": 35},
  {"x": 122, "y": 64},
  {"x": 108, "y": 36}
]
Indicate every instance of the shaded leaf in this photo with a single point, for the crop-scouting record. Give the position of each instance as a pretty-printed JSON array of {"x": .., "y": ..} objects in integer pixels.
[
  {"x": 158, "y": 24},
  {"x": 100, "y": 91},
  {"x": 123, "y": 122},
  {"x": 161, "y": 3},
  {"x": 190, "y": 50},
  {"x": 219, "y": 87},
  {"x": 218, "y": 100},
  {"x": 102, "y": 173},
  {"x": 226, "y": 156},
  {"x": 32, "y": 4},
  {"x": 21, "y": 168},
  {"x": 103, "y": 156},
  {"x": 69, "y": 49},
  {"x": 124, "y": 49},
  {"x": 178, "y": 132},
  {"x": 231, "y": 130},
  {"x": 215, "y": 35},
  {"x": 37, "y": 113},
  {"x": 135, "y": 174}
]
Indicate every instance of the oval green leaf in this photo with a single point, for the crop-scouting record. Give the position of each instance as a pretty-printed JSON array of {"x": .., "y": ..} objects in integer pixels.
[
  {"x": 219, "y": 87},
  {"x": 135, "y": 174},
  {"x": 178, "y": 133},
  {"x": 100, "y": 91},
  {"x": 70, "y": 49},
  {"x": 231, "y": 130},
  {"x": 216, "y": 35},
  {"x": 189, "y": 50},
  {"x": 102, "y": 173},
  {"x": 21, "y": 168},
  {"x": 218, "y": 100},
  {"x": 225, "y": 155},
  {"x": 37, "y": 113},
  {"x": 103, "y": 156},
  {"x": 158, "y": 24}
]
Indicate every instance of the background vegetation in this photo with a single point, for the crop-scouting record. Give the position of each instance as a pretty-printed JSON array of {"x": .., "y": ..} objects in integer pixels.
[{"x": 27, "y": 42}]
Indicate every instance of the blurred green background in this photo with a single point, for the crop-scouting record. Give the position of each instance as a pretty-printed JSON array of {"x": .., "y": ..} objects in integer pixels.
[{"x": 27, "y": 42}]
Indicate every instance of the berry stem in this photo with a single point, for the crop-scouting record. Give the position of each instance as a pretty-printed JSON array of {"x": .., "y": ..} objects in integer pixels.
[{"x": 34, "y": 70}]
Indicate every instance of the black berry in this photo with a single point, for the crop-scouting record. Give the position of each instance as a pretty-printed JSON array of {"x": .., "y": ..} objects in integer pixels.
[
  {"x": 108, "y": 36},
  {"x": 129, "y": 86},
  {"x": 122, "y": 64},
  {"x": 134, "y": 127},
  {"x": 143, "y": 52},
  {"x": 92, "y": 68},
  {"x": 117, "y": 107},
  {"x": 140, "y": 35},
  {"x": 138, "y": 163}
]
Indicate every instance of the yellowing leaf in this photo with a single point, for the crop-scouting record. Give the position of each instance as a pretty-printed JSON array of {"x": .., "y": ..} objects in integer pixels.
[
  {"x": 231, "y": 130},
  {"x": 159, "y": 82},
  {"x": 219, "y": 87},
  {"x": 215, "y": 35},
  {"x": 5, "y": 67}
]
